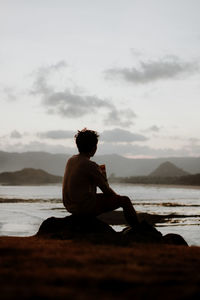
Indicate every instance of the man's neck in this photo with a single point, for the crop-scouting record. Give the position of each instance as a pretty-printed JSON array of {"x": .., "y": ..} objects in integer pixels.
[{"x": 86, "y": 155}]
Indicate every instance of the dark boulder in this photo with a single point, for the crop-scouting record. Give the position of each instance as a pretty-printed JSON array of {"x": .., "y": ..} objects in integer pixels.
[
  {"x": 146, "y": 233},
  {"x": 72, "y": 227},
  {"x": 94, "y": 230},
  {"x": 143, "y": 233},
  {"x": 174, "y": 239}
]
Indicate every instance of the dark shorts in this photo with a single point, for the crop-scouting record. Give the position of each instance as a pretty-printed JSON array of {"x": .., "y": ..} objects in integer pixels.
[{"x": 97, "y": 205}]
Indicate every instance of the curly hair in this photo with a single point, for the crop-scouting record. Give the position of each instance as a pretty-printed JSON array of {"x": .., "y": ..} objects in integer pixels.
[{"x": 86, "y": 140}]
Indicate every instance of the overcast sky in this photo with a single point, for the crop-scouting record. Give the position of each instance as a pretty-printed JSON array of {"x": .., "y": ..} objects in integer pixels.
[{"x": 129, "y": 69}]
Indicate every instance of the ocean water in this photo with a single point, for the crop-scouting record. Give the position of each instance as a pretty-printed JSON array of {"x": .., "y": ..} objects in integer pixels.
[{"x": 23, "y": 208}]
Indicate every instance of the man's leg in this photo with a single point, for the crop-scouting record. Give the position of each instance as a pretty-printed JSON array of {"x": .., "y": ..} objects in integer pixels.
[
  {"x": 106, "y": 203},
  {"x": 129, "y": 211}
]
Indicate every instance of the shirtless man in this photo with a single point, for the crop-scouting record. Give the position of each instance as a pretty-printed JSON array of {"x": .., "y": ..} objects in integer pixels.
[{"x": 83, "y": 176}]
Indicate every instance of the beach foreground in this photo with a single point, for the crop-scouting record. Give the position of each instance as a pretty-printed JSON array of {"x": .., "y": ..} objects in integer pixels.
[{"x": 35, "y": 268}]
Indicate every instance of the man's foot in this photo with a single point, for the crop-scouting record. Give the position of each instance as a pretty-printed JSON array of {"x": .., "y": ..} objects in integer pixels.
[{"x": 132, "y": 221}]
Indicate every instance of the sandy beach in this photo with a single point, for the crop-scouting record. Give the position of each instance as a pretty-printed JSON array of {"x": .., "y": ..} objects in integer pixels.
[
  {"x": 32, "y": 268},
  {"x": 37, "y": 268}
]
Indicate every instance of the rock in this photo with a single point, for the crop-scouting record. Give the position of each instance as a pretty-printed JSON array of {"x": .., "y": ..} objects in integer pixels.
[
  {"x": 72, "y": 227},
  {"x": 143, "y": 233},
  {"x": 174, "y": 239},
  {"x": 96, "y": 231}
]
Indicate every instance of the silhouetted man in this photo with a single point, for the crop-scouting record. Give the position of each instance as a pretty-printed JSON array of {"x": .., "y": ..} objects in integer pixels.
[{"x": 83, "y": 176}]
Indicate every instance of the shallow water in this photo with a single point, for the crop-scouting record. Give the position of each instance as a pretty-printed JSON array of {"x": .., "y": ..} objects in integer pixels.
[{"x": 23, "y": 208}]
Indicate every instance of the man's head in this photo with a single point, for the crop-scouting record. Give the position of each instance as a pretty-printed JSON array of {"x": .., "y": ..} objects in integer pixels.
[{"x": 86, "y": 141}]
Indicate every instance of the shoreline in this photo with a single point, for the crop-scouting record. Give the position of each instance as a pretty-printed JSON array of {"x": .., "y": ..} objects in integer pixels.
[
  {"x": 111, "y": 182},
  {"x": 159, "y": 185},
  {"x": 113, "y": 218}
]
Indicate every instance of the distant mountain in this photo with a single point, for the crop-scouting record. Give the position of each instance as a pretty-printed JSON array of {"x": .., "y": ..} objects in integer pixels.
[
  {"x": 28, "y": 176},
  {"x": 123, "y": 167},
  {"x": 51, "y": 163},
  {"x": 167, "y": 169},
  {"x": 116, "y": 164}
]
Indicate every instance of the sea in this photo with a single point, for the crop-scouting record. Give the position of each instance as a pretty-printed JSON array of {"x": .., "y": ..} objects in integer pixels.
[{"x": 23, "y": 208}]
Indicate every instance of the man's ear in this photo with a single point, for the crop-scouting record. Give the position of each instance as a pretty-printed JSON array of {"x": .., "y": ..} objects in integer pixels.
[{"x": 94, "y": 149}]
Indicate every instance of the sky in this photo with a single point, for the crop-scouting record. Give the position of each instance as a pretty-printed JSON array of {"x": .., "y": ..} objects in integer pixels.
[{"x": 129, "y": 69}]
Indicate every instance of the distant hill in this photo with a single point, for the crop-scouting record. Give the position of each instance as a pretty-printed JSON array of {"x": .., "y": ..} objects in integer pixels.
[
  {"x": 51, "y": 163},
  {"x": 28, "y": 176},
  {"x": 168, "y": 169},
  {"x": 116, "y": 164},
  {"x": 193, "y": 180},
  {"x": 122, "y": 166}
]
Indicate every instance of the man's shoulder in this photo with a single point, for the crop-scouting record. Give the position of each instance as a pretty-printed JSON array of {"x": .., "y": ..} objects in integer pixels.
[
  {"x": 72, "y": 157},
  {"x": 88, "y": 164},
  {"x": 93, "y": 166},
  {"x": 71, "y": 160},
  {"x": 93, "y": 163},
  {"x": 82, "y": 161}
]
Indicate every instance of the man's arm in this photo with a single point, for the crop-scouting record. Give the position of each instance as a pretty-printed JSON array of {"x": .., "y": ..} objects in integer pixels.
[{"x": 100, "y": 180}]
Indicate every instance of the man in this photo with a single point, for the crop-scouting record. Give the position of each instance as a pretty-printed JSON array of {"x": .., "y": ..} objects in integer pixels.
[{"x": 83, "y": 176}]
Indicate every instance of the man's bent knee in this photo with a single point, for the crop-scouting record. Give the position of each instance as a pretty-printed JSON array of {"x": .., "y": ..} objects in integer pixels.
[{"x": 125, "y": 201}]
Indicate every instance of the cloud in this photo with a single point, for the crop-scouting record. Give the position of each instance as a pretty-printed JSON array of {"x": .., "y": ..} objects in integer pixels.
[
  {"x": 193, "y": 145},
  {"x": 153, "y": 128},
  {"x": 71, "y": 105},
  {"x": 118, "y": 135},
  {"x": 154, "y": 70},
  {"x": 8, "y": 93},
  {"x": 194, "y": 141},
  {"x": 136, "y": 52},
  {"x": 122, "y": 118},
  {"x": 41, "y": 76},
  {"x": 68, "y": 103},
  {"x": 65, "y": 103},
  {"x": 124, "y": 148},
  {"x": 39, "y": 146},
  {"x": 56, "y": 134},
  {"x": 194, "y": 149},
  {"x": 15, "y": 134}
]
